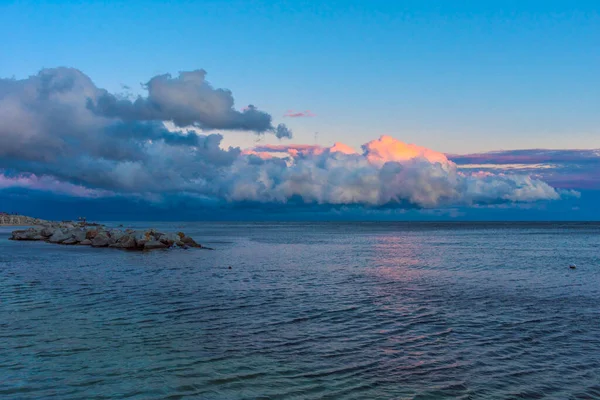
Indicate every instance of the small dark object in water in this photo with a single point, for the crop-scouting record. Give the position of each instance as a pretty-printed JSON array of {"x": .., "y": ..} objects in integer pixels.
[
  {"x": 230, "y": 267},
  {"x": 572, "y": 266}
]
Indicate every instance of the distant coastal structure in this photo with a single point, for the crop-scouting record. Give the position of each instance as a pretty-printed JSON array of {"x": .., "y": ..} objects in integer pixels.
[{"x": 18, "y": 220}]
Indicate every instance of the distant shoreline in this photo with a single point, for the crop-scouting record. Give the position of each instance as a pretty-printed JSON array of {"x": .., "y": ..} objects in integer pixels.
[{"x": 20, "y": 220}]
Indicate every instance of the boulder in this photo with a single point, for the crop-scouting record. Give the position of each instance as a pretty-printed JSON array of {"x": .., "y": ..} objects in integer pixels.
[
  {"x": 85, "y": 242},
  {"x": 154, "y": 244},
  {"x": 127, "y": 242},
  {"x": 59, "y": 236},
  {"x": 190, "y": 242},
  {"x": 71, "y": 240},
  {"x": 47, "y": 231},
  {"x": 141, "y": 238},
  {"x": 23, "y": 235},
  {"x": 116, "y": 234},
  {"x": 78, "y": 235},
  {"x": 101, "y": 239},
  {"x": 169, "y": 239}
]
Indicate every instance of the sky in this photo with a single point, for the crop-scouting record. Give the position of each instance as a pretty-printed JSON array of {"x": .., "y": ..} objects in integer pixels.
[{"x": 478, "y": 87}]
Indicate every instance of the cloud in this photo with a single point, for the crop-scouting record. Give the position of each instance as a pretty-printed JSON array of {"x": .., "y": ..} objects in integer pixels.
[
  {"x": 49, "y": 184},
  {"x": 61, "y": 113},
  {"x": 566, "y": 169},
  {"x": 187, "y": 100},
  {"x": 298, "y": 114},
  {"x": 60, "y": 133},
  {"x": 389, "y": 173}
]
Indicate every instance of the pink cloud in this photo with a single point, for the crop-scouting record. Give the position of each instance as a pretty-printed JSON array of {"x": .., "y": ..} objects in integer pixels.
[
  {"x": 286, "y": 148},
  {"x": 299, "y": 114},
  {"x": 260, "y": 154},
  {"x": 341, "y": 148},
  {"x": 386, "y": 148}
]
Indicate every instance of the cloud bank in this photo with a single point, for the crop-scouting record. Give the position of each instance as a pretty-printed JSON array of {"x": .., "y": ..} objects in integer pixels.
[
  {"x": 565, "y": 169},
  {"x": 61, "y": 133}
]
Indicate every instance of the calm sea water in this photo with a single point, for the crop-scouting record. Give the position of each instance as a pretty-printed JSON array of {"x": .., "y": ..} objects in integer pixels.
[{"x": 308, "y": 311}]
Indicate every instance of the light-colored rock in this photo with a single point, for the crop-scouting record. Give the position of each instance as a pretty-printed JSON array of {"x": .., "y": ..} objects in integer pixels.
[
  {"x": 23, "y": 235},
  {"x": 78, "y": 235},
  {"x": 116, "y": 234},
  {"x": 141, "y": 238},
  {"x": 127, "y": 242},
  {"x": 101, "y": 240},
  {"x": 47, "y": 231},
  {"x": 59, "y": 236},
  {"x": 169, "y": 239}
]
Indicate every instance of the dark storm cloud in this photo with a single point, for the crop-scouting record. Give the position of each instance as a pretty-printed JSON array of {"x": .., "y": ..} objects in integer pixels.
[{"x": 187, "y": 100}]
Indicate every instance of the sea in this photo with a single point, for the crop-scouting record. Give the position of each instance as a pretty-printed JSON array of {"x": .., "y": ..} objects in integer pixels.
[{"x": 290, "y": 310}]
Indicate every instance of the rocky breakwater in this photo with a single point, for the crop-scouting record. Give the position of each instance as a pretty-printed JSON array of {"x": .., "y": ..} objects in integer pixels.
[{"x": 67, "y": 233}]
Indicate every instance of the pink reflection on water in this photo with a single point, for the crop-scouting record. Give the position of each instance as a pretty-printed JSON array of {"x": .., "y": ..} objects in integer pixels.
[{"x": 399, "y": 257}]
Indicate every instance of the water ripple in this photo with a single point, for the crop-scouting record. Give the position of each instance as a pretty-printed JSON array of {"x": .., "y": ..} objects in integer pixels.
[{"x": 308, "y": 311}]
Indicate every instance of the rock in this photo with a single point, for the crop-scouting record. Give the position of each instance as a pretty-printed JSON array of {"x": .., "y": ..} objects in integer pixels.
[
  {"x": 141, "y": 238},
  {"x": 154, "y": 244},
  {"x": 59, "y": 236},
  {"x": 169, "y": 239},
  {"x": 127, "y": 242},
  {"x": 190, "y": 242},
  {"x": 25, "y": 235},
  {"x": 85, "y": 242},
  {"x": 101, "y": 240},
  {"x": 79, "y": 235},
  {"x": 116, "y": 234},
  {"x": 47, "y": 231},
  {"x": 70, "y": 241}
]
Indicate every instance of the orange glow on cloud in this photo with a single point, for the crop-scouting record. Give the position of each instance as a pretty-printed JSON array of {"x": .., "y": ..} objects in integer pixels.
[
  {"x": 377, "y": 152},
  {"x": 386, "y": 148},
  {"x": 342, "y": 148}
]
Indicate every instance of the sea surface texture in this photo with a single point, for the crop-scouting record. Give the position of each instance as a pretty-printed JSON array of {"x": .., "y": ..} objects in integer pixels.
[{"x": 308, "y": 311}]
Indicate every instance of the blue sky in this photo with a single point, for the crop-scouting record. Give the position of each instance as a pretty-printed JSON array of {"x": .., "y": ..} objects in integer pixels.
[{"x": 456, "y": 77}]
